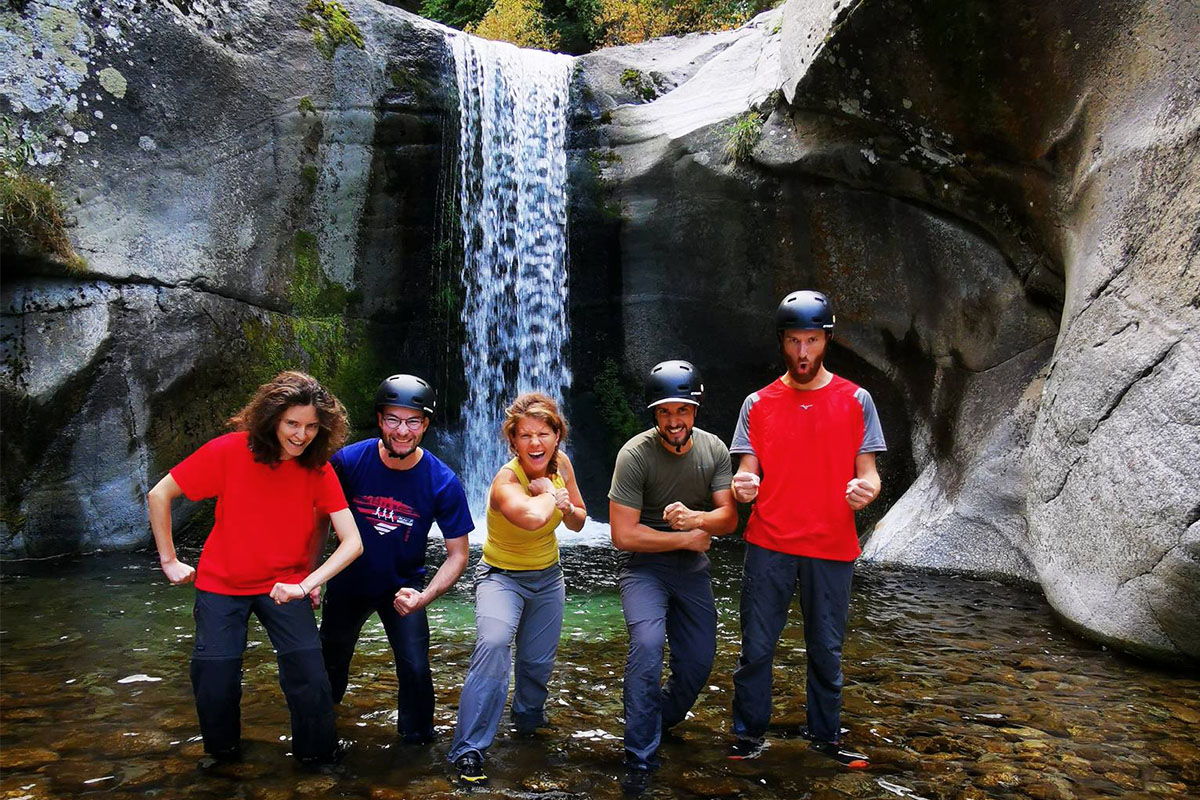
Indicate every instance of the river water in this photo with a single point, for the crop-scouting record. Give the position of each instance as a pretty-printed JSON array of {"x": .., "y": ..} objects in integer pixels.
[{"x": 957, "y": 688}]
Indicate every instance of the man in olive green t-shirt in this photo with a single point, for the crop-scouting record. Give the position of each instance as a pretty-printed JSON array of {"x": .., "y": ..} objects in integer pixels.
[{"x": 670, "y": 495}]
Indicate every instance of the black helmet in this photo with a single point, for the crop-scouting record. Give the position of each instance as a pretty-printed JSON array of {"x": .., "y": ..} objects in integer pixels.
[
  {"x": 806, "y": 311},
  {"x": 674, "y": 382},
  {"x": 406, "y": 391}
]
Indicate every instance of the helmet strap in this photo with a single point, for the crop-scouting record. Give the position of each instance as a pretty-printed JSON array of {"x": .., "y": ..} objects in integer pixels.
[{"x": 678, "y": 447}]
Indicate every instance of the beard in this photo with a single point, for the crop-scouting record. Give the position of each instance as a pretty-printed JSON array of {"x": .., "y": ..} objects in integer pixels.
[
  {"x": 810, "y": 371},
  {"x": 677, "y": 445},
  {"x": 394, "y": 453}
]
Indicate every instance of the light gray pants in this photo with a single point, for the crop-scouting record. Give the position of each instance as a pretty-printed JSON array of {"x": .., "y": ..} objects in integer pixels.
[{"x": 525, "y": 605}]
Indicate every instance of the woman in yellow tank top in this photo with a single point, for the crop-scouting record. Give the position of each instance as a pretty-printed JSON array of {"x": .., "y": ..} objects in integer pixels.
[{"x": 519, "y": 591}]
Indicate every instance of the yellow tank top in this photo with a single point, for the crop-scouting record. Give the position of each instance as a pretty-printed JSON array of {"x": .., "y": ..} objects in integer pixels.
[{"x": 511, "y": 547}]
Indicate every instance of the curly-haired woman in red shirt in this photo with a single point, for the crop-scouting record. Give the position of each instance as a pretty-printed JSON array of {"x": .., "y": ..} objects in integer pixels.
[{"x": 272, "y": 479}]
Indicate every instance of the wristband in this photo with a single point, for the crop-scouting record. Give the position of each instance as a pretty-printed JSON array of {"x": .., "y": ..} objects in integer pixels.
[{"x": 301, "y": 585}]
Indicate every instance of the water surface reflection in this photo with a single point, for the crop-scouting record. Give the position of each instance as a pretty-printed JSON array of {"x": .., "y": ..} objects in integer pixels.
[{"x": 958, "y": 689}]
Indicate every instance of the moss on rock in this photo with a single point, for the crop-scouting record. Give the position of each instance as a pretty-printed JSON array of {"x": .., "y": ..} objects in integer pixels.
[
  {"x": 32, "y": 219},
  {"x": 331, "y": 26}
]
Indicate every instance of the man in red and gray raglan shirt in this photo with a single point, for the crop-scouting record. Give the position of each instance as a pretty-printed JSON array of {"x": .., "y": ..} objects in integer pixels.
[{"x": 807, "y": 443}]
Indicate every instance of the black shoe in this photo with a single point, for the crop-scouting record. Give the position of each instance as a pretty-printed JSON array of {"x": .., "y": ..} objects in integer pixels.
[
  {"x": 636, "y": 781},
  {"x": 846, "y": 758},
  {"x": 541, "y": 729},
  {"x": 671, "y": 736},
  {"x": 215, "y": 758},
  {"x": 470, "y": 769},
  {"x": 330, "y": 764},
  {"x": 806, "y": 734},
  {"x": 745, "y": 748}
]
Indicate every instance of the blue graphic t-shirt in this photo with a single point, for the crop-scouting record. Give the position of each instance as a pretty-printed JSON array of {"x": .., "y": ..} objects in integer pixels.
[{"x": 394, "y": 510}]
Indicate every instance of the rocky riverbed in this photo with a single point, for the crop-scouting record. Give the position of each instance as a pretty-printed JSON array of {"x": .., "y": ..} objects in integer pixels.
[{"x": 959, "y": 689}]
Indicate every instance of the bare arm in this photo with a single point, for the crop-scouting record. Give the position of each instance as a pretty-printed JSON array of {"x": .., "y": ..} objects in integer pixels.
[
  {"x": 408, "y": 600},
  {"x": 718, "y": 522},
  {"x": 630, "y": 535},
  {"x": 517, "y": 505},
  {"x": 349, "y": 548},
  {"x": 862, "y": 489},
  {"x": 746, "y": 481},
  {"x": 571, "y": 505},
  {"x": 322, "y": 528},
  {"x": 158, "y": 503}
]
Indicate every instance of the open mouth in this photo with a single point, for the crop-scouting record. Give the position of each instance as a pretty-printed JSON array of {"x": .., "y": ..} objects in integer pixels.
[{"x": 538, "y": 456}]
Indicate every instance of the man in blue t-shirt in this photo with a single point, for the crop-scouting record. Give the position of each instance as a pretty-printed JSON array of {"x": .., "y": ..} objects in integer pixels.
[{"x": 396, "y": 490}]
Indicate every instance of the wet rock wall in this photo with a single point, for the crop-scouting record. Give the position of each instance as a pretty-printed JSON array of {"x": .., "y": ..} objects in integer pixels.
[{"x": 244, "y": 204}]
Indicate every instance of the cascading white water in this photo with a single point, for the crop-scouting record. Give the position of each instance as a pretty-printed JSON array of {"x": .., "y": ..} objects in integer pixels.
[{"x": 513, "y": 209}]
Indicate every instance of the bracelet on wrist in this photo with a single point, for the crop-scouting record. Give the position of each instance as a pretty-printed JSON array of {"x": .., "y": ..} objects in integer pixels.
[{"x": 301, "y": 585}]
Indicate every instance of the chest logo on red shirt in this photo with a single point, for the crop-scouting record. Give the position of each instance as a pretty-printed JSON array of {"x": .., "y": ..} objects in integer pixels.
[
  {"x": 805, "y": 407},
  {"x": 389, "y": 514}
]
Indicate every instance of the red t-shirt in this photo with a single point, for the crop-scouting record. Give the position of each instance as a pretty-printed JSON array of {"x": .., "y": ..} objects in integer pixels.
[
  {"x": 806, "y": 442},
  {"x": 266, "y": 516}
]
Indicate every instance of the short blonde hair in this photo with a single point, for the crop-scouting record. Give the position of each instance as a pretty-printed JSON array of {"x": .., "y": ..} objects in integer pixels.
[{"x": 535, "y": 405}]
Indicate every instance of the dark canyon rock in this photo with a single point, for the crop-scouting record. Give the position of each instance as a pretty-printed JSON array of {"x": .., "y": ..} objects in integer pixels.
[{"x": 1002, "y": 200}]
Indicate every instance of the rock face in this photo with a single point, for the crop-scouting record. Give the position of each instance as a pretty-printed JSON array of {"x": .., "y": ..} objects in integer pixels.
[
  {"x": 1002, "y": 200},
  {"x": 244, "y": 204}
]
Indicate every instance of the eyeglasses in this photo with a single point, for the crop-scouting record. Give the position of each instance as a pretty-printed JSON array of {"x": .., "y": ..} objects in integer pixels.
[{"x": 412, "y": 423}]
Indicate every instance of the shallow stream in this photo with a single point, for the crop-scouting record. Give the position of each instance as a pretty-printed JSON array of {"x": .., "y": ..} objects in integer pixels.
[{"x": 957, "y": 689}]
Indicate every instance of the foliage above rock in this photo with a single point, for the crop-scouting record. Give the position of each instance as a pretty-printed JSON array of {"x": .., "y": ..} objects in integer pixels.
[
  {"x": 31, "y": 215},
  {"x": 580, "y": 26}
]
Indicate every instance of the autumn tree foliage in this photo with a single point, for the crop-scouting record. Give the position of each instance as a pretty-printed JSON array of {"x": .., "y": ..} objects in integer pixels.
[{"x": 578, "y": 26}]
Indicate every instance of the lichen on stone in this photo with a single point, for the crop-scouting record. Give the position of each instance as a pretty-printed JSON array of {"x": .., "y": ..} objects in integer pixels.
[{"x": 113, "y": 82}]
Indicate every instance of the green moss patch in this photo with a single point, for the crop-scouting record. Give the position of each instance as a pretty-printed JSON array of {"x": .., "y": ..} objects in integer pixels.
[
  {"x": 338, "y": 352},
  {"x": 309, "y": 176},
  {"x": 639, "y": 84},
  {"x": 331, "y": 26},
  {"x": 309, "y": 291}
]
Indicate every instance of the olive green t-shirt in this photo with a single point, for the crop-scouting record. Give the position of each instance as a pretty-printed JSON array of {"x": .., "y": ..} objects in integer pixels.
[{"x": 649, "y": 477}]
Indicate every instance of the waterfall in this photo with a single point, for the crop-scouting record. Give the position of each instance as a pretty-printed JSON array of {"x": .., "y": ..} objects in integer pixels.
[{"x": 513, "y": 211}]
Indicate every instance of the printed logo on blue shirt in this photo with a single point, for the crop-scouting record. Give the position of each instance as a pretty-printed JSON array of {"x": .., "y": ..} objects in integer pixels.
[{"x": 388, "y": 514}]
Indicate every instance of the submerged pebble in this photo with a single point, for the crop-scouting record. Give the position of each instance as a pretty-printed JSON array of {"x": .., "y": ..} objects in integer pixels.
[{"x": 958, "y": 691}]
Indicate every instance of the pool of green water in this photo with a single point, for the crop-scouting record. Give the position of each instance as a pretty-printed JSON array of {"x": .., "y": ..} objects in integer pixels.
[{"x": 956, "y": 688}]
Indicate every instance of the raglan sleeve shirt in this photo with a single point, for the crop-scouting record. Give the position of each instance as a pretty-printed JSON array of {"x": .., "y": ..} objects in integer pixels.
[
  {"x": 741, "y": 433},
  {"x": 806, "y": 443}
]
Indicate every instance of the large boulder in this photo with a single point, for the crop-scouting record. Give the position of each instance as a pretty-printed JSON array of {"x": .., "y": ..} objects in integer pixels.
[
  {"x": 1002, "y": 201},
  {"x": 249, "y": 194}
]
